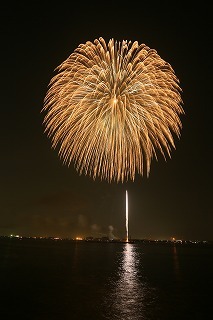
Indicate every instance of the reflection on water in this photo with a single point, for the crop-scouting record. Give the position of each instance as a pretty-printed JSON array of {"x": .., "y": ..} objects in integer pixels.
[
  {"x": 130, "y": 294},
  {"x": 176, "y": 263}
]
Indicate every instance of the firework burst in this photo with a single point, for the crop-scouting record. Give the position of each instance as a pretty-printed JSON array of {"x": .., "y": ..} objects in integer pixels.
[{"x": 110, "y": 107}]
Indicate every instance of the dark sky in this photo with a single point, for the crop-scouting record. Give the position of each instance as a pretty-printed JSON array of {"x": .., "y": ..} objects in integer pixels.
[{"x": 42, "y": 197}]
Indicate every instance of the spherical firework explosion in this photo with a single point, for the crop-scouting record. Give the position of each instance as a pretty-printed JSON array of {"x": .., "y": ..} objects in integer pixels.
[{"x": 111, "y": 107}]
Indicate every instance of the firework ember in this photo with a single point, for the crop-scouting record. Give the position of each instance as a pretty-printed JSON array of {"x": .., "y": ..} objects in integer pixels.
[{"x": 111, "y": 107}]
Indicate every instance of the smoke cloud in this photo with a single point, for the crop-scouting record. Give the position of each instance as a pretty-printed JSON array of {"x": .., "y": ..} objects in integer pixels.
[{"x": 111, "y": 235}]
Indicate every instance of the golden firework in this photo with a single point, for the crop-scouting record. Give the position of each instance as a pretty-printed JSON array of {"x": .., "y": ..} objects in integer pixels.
[{"x": 110, "y": 108}]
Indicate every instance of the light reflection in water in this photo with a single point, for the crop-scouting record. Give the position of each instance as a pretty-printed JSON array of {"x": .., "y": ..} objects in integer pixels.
[
  {"x": 176, "y": 264},
  {"x": 130, "y": 293},
  {"x": 175, "y": 259}
]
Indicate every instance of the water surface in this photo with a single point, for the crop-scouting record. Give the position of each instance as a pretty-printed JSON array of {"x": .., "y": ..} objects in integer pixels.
[{"x": 85, "y": 280}]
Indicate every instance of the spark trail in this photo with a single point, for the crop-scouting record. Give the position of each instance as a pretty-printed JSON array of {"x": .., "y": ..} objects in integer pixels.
[
  {"x": 112, "y": 107},
  {"x": 127, "y": 218}
]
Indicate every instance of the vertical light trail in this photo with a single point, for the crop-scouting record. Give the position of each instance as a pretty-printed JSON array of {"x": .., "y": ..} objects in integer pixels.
[{"x": 127, "y": 218}]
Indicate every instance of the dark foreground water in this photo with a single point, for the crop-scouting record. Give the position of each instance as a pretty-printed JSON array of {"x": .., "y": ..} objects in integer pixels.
[{"x": 79, "y": 280}]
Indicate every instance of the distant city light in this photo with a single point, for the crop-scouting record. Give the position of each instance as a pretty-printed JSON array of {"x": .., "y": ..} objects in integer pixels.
[
  {"x": 172, "y": 240},
  {"x": 78, "y": 238}
]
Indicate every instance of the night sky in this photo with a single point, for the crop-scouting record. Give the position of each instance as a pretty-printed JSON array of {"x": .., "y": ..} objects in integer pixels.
[{"x": 42, "y": 197}]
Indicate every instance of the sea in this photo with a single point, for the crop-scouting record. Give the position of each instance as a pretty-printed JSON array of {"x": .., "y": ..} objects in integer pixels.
[{"x": 81, "y": 280}]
